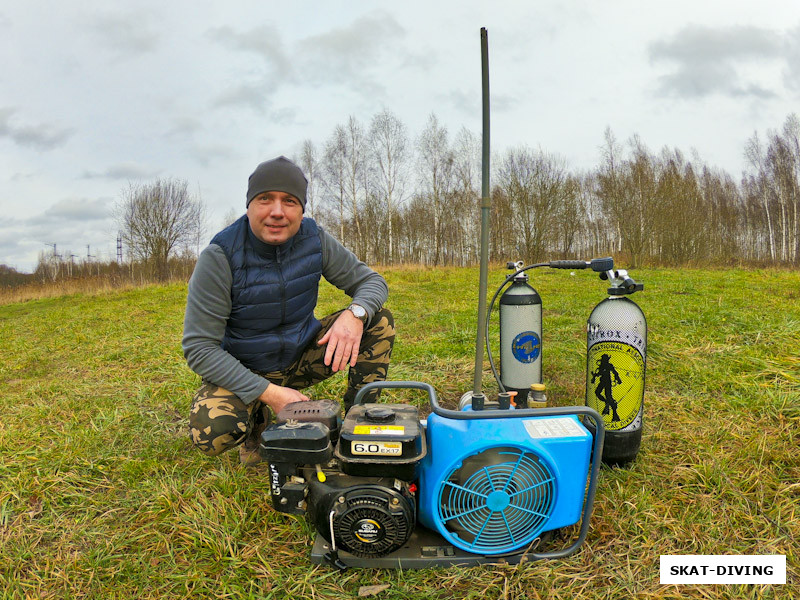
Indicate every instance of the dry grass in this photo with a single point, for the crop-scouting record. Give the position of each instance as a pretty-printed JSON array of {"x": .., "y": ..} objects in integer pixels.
[{"x": 102, "y": 496}]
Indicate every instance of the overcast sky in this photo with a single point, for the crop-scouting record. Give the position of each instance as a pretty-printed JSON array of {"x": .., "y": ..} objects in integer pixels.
[{"x": 96, "y": 95}]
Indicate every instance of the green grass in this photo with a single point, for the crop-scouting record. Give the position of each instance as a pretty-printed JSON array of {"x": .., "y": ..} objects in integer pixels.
[{"x": 102, "y": 495}]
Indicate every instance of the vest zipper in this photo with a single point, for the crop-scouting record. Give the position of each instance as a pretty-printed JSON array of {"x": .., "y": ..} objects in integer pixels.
[{"x": 283, "y": 298}]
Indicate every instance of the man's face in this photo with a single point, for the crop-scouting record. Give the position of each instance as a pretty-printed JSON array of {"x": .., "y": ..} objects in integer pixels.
[{"x": 275, "y": 216}]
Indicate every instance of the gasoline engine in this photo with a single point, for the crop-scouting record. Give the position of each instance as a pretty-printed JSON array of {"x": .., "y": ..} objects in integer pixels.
[{"x": 352, "y": 479}]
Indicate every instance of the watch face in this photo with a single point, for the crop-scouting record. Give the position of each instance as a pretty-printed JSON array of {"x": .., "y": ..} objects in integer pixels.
[{"x": 359, "y": 311}]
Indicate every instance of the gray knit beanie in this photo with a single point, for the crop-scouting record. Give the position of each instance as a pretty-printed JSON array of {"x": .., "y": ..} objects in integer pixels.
[{"x": 278, "y": 175}]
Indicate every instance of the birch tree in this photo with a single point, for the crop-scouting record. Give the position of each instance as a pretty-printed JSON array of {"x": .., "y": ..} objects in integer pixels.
[
  {"x": 756, "y": 158},
  {"x": 388, "y": 141},
  {"x": 334, "y": 168},
  {"x": 435, "y": 160},
  {"x": 310, "y": 165}
]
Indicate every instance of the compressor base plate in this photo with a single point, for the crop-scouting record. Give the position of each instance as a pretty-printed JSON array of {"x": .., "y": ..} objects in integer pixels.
[{"x": 424, "y": 549}]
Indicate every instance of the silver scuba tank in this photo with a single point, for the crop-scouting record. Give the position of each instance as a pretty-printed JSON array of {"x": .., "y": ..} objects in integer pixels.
[{"x": 520, "y": 338}]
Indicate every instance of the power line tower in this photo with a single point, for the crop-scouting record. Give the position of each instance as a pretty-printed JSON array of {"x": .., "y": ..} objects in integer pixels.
[
  {"x": 89, "y": 257},
  {"x": 119, "y": 249}
]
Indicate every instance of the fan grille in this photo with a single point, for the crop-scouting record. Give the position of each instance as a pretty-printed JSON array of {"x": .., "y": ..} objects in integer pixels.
[{"x": 498, "y": 500}]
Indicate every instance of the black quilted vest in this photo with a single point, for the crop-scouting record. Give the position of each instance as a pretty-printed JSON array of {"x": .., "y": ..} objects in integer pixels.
[{"x": 273, "y": 295}]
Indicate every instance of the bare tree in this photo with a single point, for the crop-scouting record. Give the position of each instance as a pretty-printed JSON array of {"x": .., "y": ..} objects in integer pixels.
[
  {"x": 230, "y": 217},
  {"x": 644, "y": 204},
  {"x": 627, "y": 189},
  {"x": 355, "y": 175},
  {"x": 569, "y": 212},
  {"x": 310, "y": 166},
  {"x": 536, "y": 185},
  {"x": 334, "y": 168},
  {"x": 159, "y": 218},
  {"x": 680, "y": 203},
  {"x": 466, "y": 192},
  {"x": 791, "y": 137},
  {"x": 757, "y": 159},
  {"x": 611, "y": 185},
  {"x": 389, "y": 144},
  {"x": 48, "y": 266},
  {"x": 436, "y": 165}
]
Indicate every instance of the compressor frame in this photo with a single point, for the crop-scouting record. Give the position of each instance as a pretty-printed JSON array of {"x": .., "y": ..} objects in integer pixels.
[{"x": 427, "y": 548}]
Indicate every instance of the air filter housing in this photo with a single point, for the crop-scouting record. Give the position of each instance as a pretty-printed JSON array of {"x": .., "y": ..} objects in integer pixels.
[{"x": 492, "y": 486}]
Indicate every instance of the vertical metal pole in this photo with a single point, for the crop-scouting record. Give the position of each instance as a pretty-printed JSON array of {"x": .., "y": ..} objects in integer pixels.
[{"x": 486, "y": 204}]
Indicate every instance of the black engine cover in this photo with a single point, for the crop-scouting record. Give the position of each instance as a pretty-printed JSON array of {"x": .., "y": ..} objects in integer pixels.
[{"x": 370, "y": 518}]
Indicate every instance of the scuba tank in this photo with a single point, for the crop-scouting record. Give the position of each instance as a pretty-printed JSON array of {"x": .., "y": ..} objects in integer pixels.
[
  {"x": 520, "y": 336},
  {"x": 615, "y": 368}
]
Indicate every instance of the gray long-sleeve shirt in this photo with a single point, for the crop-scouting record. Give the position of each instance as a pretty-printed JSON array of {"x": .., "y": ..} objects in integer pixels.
[{"x": 208, "y": 306}]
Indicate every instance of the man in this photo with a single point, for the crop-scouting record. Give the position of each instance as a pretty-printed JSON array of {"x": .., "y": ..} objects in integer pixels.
[{"x": 249, "y": 328}]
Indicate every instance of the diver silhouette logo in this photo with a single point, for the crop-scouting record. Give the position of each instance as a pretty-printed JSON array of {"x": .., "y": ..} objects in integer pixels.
[
  {"x": 615, "y": 382},
  {"x": 604, "y": 390}
]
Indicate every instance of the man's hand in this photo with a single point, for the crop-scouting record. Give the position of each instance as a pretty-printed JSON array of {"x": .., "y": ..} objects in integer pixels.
[
  {"x": 344, "y": 340},
  {"x": 276, "y": 397}
]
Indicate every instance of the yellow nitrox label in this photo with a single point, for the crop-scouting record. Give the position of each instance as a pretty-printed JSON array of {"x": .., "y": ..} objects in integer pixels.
[{"x": 615, "y": 381}]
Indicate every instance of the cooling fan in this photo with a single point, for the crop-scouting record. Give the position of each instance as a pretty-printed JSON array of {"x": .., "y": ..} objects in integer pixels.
[
  {"x": 498, "y": 499},
  {"x": 487, "y": 495}
]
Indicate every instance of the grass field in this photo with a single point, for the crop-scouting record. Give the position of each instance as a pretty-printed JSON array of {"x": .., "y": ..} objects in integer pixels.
[{"x": 102, "y": 495}]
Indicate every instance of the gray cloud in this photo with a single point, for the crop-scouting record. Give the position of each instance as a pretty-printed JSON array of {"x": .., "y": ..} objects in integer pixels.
[
  {"x": 264, "y": 42},
  {"x": 348, "y": 50},
  {"x": 253, "y": 96},
  {"x": 209, "y": 154},
  {"x": 463, "y": 101},
  {"x": 128, "y": 170},
  {"x": 355, "y": 55},
  {"x": 14, "y": 249},
  {"x": 708, "y": 60},
  {"x": 791, "y": 75},
  {"x": 129, "y": 34},
  {"x": 79, "y": 209},
  {"x": 256, "y": 88},
  {"x": 697, "y": 42},
  {"x": 42, "y": 136},
  {"x": 23, "y": 176},
  {"x": 469, "y": 103},
  {"x": 184, "y": 126},
  {"x": 284, "y": 116}
]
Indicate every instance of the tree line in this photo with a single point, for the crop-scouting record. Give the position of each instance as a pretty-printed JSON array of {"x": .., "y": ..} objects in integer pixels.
[{"x": 396, "y": 198}]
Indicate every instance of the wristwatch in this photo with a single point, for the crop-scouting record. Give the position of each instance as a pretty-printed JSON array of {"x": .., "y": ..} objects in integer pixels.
[{"x": 359, "y": 312}]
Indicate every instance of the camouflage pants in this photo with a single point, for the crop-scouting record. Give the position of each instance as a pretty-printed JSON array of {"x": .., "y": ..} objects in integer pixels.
[{"x": 219, "y": 420}]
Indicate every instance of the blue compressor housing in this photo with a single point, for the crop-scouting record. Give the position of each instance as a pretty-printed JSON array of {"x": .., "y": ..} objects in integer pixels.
[{"x": 492, "y": 486}]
